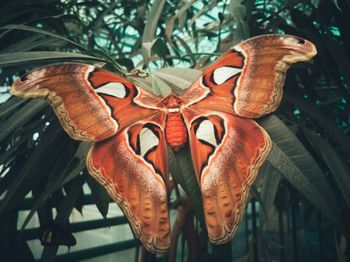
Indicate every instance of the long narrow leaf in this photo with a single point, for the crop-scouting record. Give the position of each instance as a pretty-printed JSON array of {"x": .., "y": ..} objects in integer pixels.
[
  {"x": 22, "y": 116},
  {"x": 44, "y": 32},
  {"x": 150, "y": 28},
  {"x": 29, "y": 57},
  {"x": 297, "y": 179},
  {"x": 294, "y": 150},
  {"x": 183, "y": 157},
  {"x": 152, "y": 21},
  {"x": 171, "y": 24},
  {"x": 336, "y": 165}
]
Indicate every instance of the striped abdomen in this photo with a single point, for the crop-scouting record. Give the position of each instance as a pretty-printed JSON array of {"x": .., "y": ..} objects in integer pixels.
[{"x": 175, "y": 131}]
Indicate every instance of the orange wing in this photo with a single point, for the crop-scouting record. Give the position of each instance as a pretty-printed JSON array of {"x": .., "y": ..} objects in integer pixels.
[
  {"x": 92, "y": 104},
  {"x": 247, "y": 80},
  {"x": 228, "y": 149},
  {"x": 227, "y": 152},
  {"x": 129, "y": 157},
  {"x": 132, "y": 166}
]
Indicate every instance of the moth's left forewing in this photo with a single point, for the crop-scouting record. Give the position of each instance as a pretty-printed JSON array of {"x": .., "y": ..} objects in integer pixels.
[
  {"x": 227, "y": 152},
  {"x": 132, "y": 166}
]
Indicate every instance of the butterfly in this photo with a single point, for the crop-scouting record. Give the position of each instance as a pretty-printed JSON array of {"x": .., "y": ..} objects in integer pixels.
[{"x": 132, "y": 129}]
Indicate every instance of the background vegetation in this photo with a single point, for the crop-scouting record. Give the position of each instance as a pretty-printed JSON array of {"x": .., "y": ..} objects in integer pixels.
[{"x": 300, "y": 202}]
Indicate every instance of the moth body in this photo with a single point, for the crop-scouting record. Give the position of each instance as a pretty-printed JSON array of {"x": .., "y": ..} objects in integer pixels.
[{"x": 175, "y": 129}]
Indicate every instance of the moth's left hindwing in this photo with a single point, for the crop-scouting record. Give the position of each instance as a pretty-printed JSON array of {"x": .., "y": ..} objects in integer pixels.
[
  {"x": 133, "y": 168},
  {"x": 129, "y": 157}
]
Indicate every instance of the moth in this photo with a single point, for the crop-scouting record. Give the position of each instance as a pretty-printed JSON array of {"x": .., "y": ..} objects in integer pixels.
[{"x": 132, "y": 128}]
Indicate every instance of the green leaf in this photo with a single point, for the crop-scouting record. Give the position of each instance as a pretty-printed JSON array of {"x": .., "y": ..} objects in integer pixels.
[
  {"x": 171, "y": 24},
  {"x": 269, "y": 186},
  {"x": 44, "y": 32},
  {"x": 58, "y": 178},
  {"x": 106, "y": 57},
  {"x": 150, "y": 29},
  {"x": 335, "y": 2},
  {"x": 98, "y": 22},
  {"x": 10, "y": 106},
  {"x": 187, "y": 49},
  {"x": 175, "y": 170},
  {"x": 223, "y": 252},
  {"x": 21, "y": 116},
  {"x": 238, "y": 13},
  {"x": 30, "y": 43},
  {"x": 63, "y": 213},
  {"x": 188, "y": 181},
  {"x": 257, "y": 196},
  {"x": 100, "y": 195},
  {"x": 26, "y": 168},
  {"x": 337, "y": 51},
  {"x": 327, "y": 123},
  {"x": 152, "y": 21},
  {"x": 290, "y": 171},
  {"x": 50, "y": 168},
  {"x": 315, "y": 3},
  {"x": 203, "y": 10},
  {"x": 340, "y": 171},
  {"x": 341, "y": 246},
  {"x": 293, "y": 161},
  {"x": 126, "y": 62},
  {"x": 12, "y": 59},
  {"x": 157, "y": 46},
  {"x": 264, "y": 189},
  {"x": 160, "y": 48},
  {"x": 178, "y": 78}
]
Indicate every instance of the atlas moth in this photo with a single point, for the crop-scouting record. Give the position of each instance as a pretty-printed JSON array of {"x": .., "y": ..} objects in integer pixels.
[{"x": 132, "y": 127}]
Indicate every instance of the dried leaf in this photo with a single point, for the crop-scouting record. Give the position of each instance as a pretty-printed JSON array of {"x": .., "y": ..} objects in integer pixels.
[{"x": 159, "y": 87}]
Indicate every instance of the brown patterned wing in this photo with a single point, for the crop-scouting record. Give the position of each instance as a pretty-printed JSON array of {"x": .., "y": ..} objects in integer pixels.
[
  {"x": 248, "y": 79},
  {"x": 132, "y": 166},
  {"x": 227, "y": 152},
  {"x": 129, "y": 158},
  {"x": 92, "y": 104}
]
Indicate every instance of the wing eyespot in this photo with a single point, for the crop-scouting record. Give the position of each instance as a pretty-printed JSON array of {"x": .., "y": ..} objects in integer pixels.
[
  {"x": 222, "y": 74},
  {"x": 149, "y": 140},
  {"x": 209, "y": 129},
  {"x": 205, "y": 131},
  {"x": 114, "y": 89},
  {"x": 144, "y": 140}
]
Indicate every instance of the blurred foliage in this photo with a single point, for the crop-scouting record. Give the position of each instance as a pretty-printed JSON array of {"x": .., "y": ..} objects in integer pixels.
[{"x": 304, "y": 188}]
